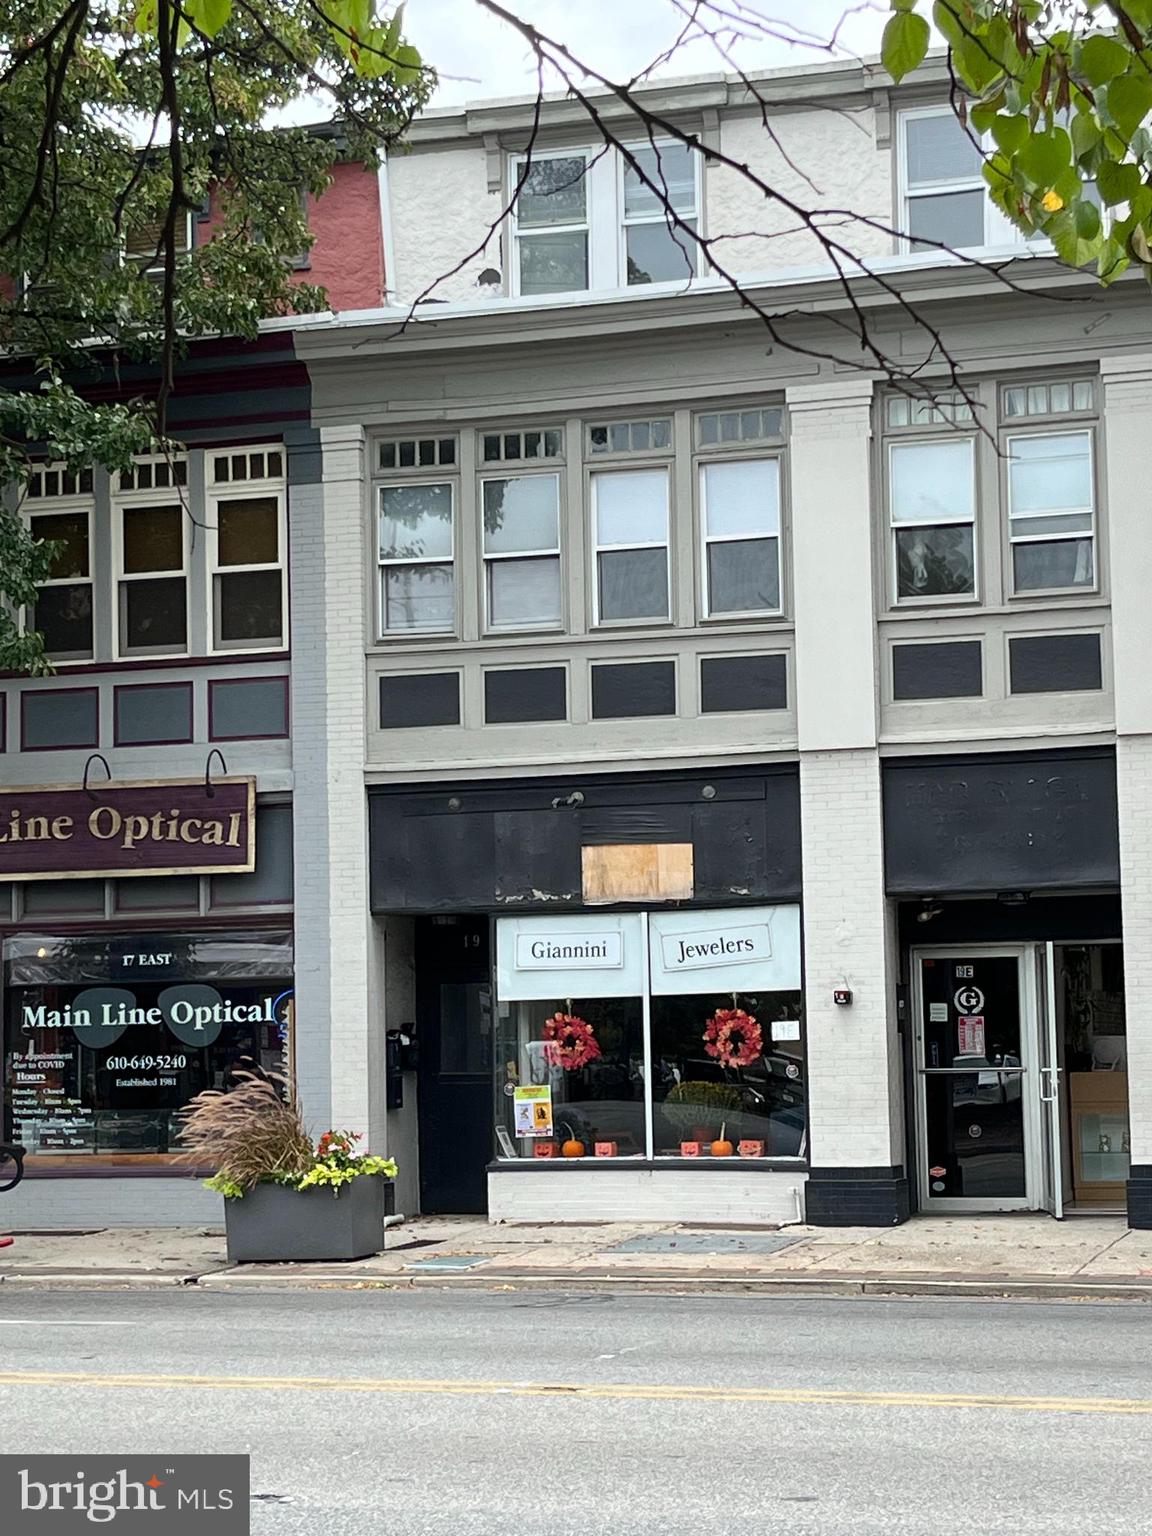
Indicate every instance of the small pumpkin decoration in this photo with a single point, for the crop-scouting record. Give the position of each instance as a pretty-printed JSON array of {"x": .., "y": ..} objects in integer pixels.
[
  {"x": 572, "y": 1147},
  {"x": 722, "y": 1147}
]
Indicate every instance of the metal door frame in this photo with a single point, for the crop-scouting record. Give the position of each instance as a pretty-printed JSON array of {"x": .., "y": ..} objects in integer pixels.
[{"x": 1036, "y": 1173}]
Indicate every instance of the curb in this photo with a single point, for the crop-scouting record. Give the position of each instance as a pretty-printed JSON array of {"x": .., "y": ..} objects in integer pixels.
[{"x": 1058, "y": 1288}]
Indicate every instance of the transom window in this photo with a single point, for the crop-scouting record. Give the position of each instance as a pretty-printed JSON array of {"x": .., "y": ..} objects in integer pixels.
[
  {"x": 521, "y": 518},
  {"x": 416, "y": 553},
  {"x": 417, "y": 452},
  {"x": 715, "y": 428},
  {"x": 51, "y": 480},
  {"x": 154, "y": 474},
  {"x": 932, "y": 511},
  {"x": 1051, "y": 511},
  {"x": 631, "y": 436},
  {"x": 740, "y": 518},
  {"x": 609, "y": 218},
  {"x": 515, "y": 447},
  {"x": 1057, "y": 398},
  {"x": 630, "y": 518}
]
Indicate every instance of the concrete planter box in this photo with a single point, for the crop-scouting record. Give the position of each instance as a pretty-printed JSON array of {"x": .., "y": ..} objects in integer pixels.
[{"x": 275, "y": 1225}]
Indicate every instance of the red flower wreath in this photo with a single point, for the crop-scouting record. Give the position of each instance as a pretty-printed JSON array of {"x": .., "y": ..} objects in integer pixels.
[
  {"x": 733, "y": 1037},
  {"x": 569, "y": 1042}
]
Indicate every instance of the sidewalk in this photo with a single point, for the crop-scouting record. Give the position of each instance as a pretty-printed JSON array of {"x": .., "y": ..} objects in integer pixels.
[{"x": 1085, "y": 1257}]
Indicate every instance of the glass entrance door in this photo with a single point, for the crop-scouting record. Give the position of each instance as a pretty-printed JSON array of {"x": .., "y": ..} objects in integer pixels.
[{"x": 978, "y": 1080}]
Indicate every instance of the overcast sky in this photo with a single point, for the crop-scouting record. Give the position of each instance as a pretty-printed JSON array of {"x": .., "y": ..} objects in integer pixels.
[{"x": 478, "y": 56}]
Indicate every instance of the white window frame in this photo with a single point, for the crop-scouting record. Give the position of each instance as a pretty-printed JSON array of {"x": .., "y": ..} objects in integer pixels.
[
  {"x": 919, "y": 440},
  {"x": 151, "y": 271},
  {"x": 248, "y": 490},
  {"x": 416, "y": 632},
  {"x": 997, "y": 228},
  {"x": 598, "y": 549},
  {"x": 516, "y": 166},
  {"x": 624, "y": 223},
  {"x": 175, "y": 496},
  {"x": 1082, "y": 430},
  {"x": 708, "y": 539},
  {"x": 605, "y": 225},
  {"x": 487, "y": 560},
  {"x": 67, "y": 506}
]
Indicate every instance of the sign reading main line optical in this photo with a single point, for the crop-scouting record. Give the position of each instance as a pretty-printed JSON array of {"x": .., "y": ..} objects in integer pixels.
[{"x": 155, "y": 827}]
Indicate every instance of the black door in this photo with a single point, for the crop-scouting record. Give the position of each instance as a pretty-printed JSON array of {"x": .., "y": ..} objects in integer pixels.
[{"x": 454, "y": 1019}]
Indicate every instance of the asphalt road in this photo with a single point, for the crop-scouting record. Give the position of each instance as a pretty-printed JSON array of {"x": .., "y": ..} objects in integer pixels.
[{"x": 380, "y": 1413}]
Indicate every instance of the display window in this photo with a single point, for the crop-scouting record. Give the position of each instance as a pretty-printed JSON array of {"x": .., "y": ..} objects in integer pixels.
[
  {"x": 665, "y": 1035},
  {"x": 107, "y": 1039}
]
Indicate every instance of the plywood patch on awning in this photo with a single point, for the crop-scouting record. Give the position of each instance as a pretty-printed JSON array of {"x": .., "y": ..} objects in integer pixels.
[{"x": 637, "y": 872}]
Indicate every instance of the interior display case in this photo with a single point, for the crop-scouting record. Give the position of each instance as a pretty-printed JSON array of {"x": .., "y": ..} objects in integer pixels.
[{"x": 1100, "y": 1135}]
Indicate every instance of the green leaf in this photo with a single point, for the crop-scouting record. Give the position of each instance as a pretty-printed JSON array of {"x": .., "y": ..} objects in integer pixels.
[
  {"x": 208, "y": 16},
  {"x": 1086, "y": 134},
  {"x": 1129, "y": 101},
  {"x": 1086, "y": 218},
  {"x": 1102, "y": 59},
  {"x": 1045, "y": 156},
  {"x": 147, "y": 19},
  {"x": 1010, "y": 133},
  {"x": 905, "y": 42},
  {"x": 1117, "y": 183},
  {"x": 409, "y": 64}
]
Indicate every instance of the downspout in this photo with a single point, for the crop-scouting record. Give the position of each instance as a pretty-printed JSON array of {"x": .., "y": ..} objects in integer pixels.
[{"x": 389, "y": 248}]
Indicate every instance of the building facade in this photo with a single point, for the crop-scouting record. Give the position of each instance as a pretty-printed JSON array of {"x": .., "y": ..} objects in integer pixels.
[{"x": 718, "y": 777}]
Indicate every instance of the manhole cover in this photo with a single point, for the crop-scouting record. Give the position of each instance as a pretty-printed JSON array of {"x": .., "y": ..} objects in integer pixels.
[
  {"x": 705, "y": 1242},
  {"x": 447, "y": 1261}
]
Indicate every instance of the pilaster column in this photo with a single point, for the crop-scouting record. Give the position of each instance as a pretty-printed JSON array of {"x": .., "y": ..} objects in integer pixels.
[
  {"x": 855, "y": 1103},
  {"x": 1127, "y": 384},
  {"x": 338, "y": 1071}
]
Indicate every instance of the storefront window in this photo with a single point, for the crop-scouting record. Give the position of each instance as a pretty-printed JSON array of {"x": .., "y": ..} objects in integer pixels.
[
  {"x": 751, "y": 1097},
  {"x": 668, "y": 1035},
  {"x": 598, "y": 1101},
  {"x": 105, "y": 1040}
]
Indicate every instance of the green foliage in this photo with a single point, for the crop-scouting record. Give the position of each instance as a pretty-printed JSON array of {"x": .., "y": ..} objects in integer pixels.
[
  {"x": 256, "y": 1133},
  {"x": 1065, "y": 93},
  {"x": 121, "y": 121},
  {"x": 707, "y": 1095}
]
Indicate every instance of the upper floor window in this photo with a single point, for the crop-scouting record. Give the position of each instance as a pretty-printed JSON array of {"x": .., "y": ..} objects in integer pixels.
[
  {"x": 932, "y": 512},
  {"x": 586, "y": 219},
  {"x": 249, "y": 572},
  {"x": 630, "y": 521},
  {"x": 945, "y": 198},
  {"x": 521, "y": 516},
  {"x": 1051, "y": 511},
  {"x": 150, "y": 535},
  {"x": 63, "y": 608},
  {"x": 740, "y": 525},
  {"x": 416, "y": 557}
]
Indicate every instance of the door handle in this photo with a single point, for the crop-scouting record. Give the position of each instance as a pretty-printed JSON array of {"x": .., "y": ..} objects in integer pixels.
[{"x": 1053, "y": 1076}]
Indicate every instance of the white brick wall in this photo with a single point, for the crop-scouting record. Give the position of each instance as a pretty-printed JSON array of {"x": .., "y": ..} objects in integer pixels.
[
  {"x": 854, "y": 1103},
  {"x": 1134, "y": 794},
  {"x": 178, "y": 1202},
  {"x": 330, "y": 823},
  {"x": 646, "y": 1194}
]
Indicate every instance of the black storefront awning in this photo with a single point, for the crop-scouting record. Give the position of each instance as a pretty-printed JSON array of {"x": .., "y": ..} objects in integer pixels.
[{"x": 1028, "y": 821}]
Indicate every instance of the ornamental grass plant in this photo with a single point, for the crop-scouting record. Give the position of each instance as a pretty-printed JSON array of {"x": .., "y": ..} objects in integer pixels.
[{"x": 254, "y": 1133}]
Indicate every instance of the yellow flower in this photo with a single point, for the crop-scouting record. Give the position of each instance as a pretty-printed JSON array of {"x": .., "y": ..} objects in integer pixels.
[{"x": 1051, "y": 202}]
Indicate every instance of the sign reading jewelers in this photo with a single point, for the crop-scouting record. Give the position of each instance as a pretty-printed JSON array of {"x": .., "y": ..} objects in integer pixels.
[
  {"x": 181, "y": 1495},
  {"x": 154, "y": 827}
]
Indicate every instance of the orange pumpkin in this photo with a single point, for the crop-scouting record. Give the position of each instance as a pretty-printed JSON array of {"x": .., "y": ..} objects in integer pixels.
[
  {"x": 721, "y": 1149},
  {"x": 572, "y": 1148}
]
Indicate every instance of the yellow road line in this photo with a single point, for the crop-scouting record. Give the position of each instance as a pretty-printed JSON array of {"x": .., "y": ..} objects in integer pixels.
[{"x": 795, "y": 1396}]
